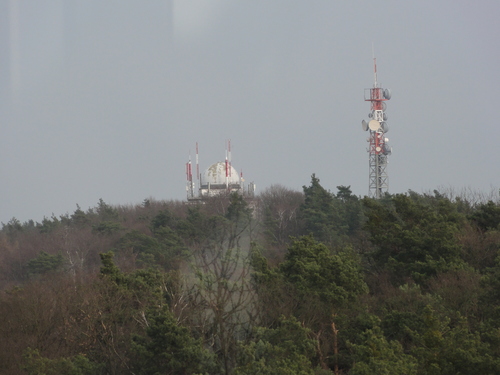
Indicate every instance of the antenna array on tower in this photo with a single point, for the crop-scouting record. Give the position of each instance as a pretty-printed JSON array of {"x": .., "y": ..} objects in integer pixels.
[{"x": 378, "y": 149}]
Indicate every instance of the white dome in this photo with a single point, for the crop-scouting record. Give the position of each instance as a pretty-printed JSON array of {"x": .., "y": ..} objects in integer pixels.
[{"x": 216, "y": 175}]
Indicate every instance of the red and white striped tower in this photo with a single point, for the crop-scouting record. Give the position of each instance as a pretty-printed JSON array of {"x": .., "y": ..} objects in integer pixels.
[{"x": 378, "y": 149}]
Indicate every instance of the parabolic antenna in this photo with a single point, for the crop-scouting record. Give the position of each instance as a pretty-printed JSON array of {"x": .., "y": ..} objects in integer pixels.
[
  {"x": 385, "y": 127},
  {"x": 364, "y": 125},
  {"x": 387, "y": 94},
  {"x": 378, "y": 149},
  {"x": 374, "y": 125}
]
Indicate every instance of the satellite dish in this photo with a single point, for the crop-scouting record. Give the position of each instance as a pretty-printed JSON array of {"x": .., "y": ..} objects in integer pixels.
[
  {"x": 374, "y": 125},
  {"x": 370, "y": 115},
  {"x": 384, "y": 106},
  {"x": 364, "y": 124},
  {"x": 385, "y": 117},
  {"x": 378, "y": 149},
  {"x": 384, "y": 127},
  {"x": 387, "y": 94}
]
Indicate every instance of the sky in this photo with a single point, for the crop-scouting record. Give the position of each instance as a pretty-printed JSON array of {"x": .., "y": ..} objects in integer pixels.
[{"x": 107, "y": 99}]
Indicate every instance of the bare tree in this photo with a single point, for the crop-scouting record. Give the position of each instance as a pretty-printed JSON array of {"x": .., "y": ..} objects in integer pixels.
[
  {"x": 278, "y": 211},
  {"x": 222, "y": 294}
]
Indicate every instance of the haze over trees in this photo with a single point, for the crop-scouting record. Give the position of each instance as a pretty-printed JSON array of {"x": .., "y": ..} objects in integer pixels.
[{"x": 292, "y": 282}]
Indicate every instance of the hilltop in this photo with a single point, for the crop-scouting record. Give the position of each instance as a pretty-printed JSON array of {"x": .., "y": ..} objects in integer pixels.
[{"x": 287, "y": 282}]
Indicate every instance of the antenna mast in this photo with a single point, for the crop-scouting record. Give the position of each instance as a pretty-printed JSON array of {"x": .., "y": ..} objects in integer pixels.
[
  {"x": 229, "y": 152},
  {"x": 375, "y": 84},
  {"x": 190, "y": 183},
  {"x": 197, "y": 167},
  {"x": 378, "y": 149},
  {"x": 227, "y": 167}
]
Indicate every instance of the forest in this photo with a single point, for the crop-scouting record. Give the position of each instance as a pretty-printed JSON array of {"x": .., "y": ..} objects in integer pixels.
[{"x": 289, "y": 282}]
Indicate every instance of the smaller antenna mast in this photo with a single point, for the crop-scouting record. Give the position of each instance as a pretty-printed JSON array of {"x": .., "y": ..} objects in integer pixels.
[
  {"x": 227, "y": 169},
  {"x": 375, "y": 84},
  {"x": 197, "y": 164},
  {"x": 189, "y": 175},
  {"x": 229, "y": 151}
]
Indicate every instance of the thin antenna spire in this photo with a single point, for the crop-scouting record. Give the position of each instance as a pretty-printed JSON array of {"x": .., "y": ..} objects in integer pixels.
[
  {"x": 189, "y": 175},
  {"x": 227, "y": 169},
  {"x": 188, "y": 166},
  {"x": 375, "y": 84},
  {"x": 197, "y": 164},
  {"x": 229, "y": 152}
]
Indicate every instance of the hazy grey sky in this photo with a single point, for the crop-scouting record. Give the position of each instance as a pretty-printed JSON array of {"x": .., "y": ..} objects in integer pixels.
[{"x": 105, "y": 99}]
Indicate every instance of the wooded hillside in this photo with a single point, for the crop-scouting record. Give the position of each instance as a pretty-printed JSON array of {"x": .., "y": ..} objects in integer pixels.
[{"x": 311, "y": 282}]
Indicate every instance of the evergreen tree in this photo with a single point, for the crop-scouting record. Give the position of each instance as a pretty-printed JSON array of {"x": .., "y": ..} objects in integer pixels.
[
  {"x": 169, "y": 348},
  {"x": 321, "y": 218},
  {"x": 44, "y": 263},
  {"x": 413, "y": 239},
  {"x": 376, "y": 355},
  {"x": 286, "y": 349}
]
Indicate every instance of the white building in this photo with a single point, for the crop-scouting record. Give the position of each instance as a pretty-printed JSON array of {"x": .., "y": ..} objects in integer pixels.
[{"x": 219, "y": 178}]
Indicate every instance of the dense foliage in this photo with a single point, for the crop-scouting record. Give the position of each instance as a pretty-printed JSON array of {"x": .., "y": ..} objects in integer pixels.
[{"x": 289, "y": 282}]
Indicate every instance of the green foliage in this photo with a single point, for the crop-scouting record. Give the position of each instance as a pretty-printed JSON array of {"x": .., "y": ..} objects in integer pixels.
[
  {"x": 310, "y": 284},
  {"x": 328, "y": 217},
  {"x": 35, "y": 364},
  {"x": 48, "y": 225},
  {"x": 169, "y": 348},
  {"x": 79, "y": 218},
  {"x": 286, "y": 349},
  {"x": 375, "y": 355},
  {"x": 106, "y": 212},
  {"x": 44, "y": 263},
  {"x": 350, "y": 209},
  {"x": 172, "y": 249},
  {"x": 108, "y": 268},
  {"x": 238, "y": 210},
  {"x": 182, "y": 297},
  {"x": 320, "y": 216},
  {"x": 458, "y": 294},
  {"x": 106, "y": 227},
  {"x": 334, "y": 278},
  {"x": 163, "y": 219},
  {"x": 13, "y": 228},
  {"x": 165, "y": 249},
  {"x": 401, "y": 311},
  {"x": 146, "y": 282},
  {"x": 198, "y": 229},
  {"x": 487, "y": 216},
  {"x": 490, "y": 294},
  {"x": 139, "y": 243},
  {"x": 413, "y": 239},
  {"x": 442, "y": 348}
]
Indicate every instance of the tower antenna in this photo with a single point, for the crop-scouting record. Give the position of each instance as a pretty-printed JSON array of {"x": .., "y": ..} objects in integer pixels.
[
  {"x": 229, "y": 153},
  {"x": 189, "y": 176},
  {"x": 197, "y": 167},
  {"x": 378, "y": 149},
  {"x": 227, "y": 169}
]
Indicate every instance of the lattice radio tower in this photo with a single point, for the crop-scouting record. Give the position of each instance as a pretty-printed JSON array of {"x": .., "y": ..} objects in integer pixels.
[{"x": 378, "y": 149}]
